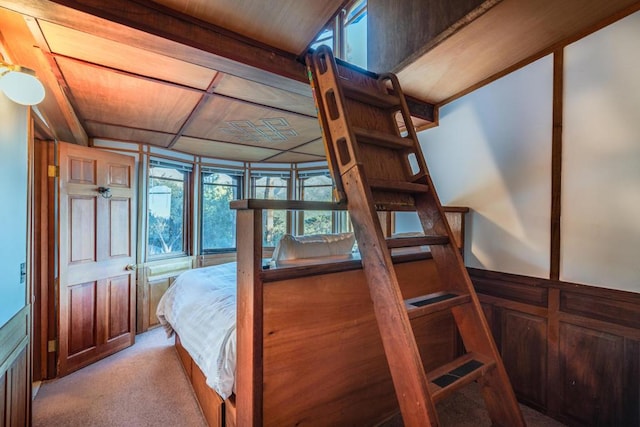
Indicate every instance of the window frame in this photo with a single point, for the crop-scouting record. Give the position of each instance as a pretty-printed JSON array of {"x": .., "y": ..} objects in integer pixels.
[
  {"x": 238, "y": 176},
  {"x": 338, "y": 24},
  {"x": 187, "y": 170},
  {"x": 301, "y": 176},
  {"x": 254, "y": 175}
]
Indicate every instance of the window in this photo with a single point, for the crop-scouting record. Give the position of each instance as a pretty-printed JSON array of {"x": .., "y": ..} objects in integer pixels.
[
  {"x": 315, "y": 186},
  {"x": 325, "y": 38},
  {"x": 355, "y": 34},
  {"x": 218, "y": 227},
  {"x": 272, "y": 186},
  {"x": 166, "y": 233},
  {"x": 346, "y": 35}
]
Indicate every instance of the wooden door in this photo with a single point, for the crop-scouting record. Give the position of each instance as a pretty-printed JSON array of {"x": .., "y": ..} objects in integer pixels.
[{"x": 97, "y": 280}]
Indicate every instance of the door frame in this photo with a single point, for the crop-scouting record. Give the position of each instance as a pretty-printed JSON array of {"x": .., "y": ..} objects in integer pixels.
[{"x": 45, "y": 315}]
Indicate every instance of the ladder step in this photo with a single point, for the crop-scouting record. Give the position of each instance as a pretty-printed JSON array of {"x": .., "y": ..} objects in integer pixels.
[
  {"x": 382, "y": 139},
  {"x": 432, "y": 303},
  {"x": 451, "y": 377},
  {"x": 369, "y": 95},
  {"x": 406, "y": 242},
  {"x": 398, "y": 186}
]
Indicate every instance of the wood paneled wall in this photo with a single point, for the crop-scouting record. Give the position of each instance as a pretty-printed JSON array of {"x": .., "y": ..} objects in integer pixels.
[
  {"x": 15, "y": 376},
  {"x": 423, "y": 21},
  {"x": 572, "y": 351}
]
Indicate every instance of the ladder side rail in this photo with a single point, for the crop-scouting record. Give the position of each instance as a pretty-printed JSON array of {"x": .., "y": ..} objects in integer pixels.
[
  {"x": 372, "y": 180},
  {"x": 339, "y": 195},
  {"x": 331, "y": 104},
  {"x": 398, "y": 339},
  {"x": 406, "y": 117},
  {"x": 405, "y": 364},
  {"x": 474, "y": 329},
  {"x": 496, "y": 387}
]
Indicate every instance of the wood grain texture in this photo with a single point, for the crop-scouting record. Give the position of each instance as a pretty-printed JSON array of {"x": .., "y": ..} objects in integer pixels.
[
  {"x": 250, "y": 320},
  {"x": 524, "y": 340},
  {"x": 327, "y": 321},
  {"x": 118, "y": 132},
  {"x": 211, "y": 404},
  {"x": 15, "y": 371},
  {"x": 224, "y": 120},
  {"x": 163, "y": 30},
  {"x": 266, "y": 95},
  {"x": 92, "y": 93},
  {"x": 357, "y": 109},
  {"x": 97, "y": 295},
  {"x": 14, "y": 411},
  {"x": 223, "y": 150},
  {"x": 556, "y": 164},
  {"x": 587, "y": 393},
  {"x": 109, "y": 53},
  {"x": 485, "y": 46},
  {"x": 592, "y": 341},
  {"x": 271, "y": 23},
  {"x": 19, "y": 37},
  {"x": 400, "y": 30}
]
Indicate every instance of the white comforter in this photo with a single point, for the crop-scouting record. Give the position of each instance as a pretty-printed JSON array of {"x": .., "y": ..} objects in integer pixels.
[{"x": 201, "y": 307}]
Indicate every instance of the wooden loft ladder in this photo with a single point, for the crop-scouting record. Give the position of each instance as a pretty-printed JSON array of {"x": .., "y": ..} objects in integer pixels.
[{"x": 377, "y": 169}]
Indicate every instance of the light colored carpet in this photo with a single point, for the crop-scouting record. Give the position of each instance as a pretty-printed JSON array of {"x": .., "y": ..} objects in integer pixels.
[
  {"x": 145, "y": 385},
  {"x": 140, "y": 386}
]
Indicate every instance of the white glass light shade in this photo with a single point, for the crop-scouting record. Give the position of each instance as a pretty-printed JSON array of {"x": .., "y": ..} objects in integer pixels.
[{"x": 21, "y": 85}]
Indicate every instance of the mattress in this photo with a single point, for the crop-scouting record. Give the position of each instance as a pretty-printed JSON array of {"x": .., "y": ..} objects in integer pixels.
[{"x": 200, "y": 306}]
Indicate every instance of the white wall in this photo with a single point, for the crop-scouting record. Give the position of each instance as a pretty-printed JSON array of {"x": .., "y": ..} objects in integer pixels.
[
  {"x": 13, "y": 212},
  {"x": 492, "y": 153},
  {"x": 600, "y": 225}
]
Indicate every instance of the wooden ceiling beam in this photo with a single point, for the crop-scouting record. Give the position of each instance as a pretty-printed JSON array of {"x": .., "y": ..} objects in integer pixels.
[
  {"x": 23, "y": 40},
  {"x": 151, "y": 27}
]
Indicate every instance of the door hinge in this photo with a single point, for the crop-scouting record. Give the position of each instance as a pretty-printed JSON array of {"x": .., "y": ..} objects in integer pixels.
[
  {"x": 52, "y": 346},
  {"x": 53, "y": 171}
]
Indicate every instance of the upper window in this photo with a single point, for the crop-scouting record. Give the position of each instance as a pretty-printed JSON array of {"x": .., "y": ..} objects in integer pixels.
[
  {"x": 166, "y": 232},
  {"x": 355, "y": 34},
  {"x": 218, "y": 227},
  {"x": 347, "y": 34},
  {"x": 273, "y": 186},
  {"x": 325, "y": 38}
]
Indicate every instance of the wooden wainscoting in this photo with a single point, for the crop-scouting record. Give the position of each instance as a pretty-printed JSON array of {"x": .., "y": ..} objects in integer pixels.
[
  {"x": 15, "y": 376},
  {"x": 572, "y": 351}
]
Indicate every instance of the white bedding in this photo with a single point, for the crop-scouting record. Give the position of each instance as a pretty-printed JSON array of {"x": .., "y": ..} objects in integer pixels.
[{"x": 201, "y": 307}]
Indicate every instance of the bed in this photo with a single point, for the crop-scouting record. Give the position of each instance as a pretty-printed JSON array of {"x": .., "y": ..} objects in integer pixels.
[{"x": 304, "y": 344}]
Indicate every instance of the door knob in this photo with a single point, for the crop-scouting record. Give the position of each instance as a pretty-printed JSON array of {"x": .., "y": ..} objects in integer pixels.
[{"x": 130, "y": 267}]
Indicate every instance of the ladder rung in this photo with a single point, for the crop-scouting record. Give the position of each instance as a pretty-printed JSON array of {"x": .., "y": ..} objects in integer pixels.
[
  {"x": 406, "y": 242},
  {"x": 382, "y": 139},
  {"x": 369, "y": 95},
  {"x": 431, "y": 303},
  {"x": 450, "y": 377},
  {"x": 399, "y": 186}
]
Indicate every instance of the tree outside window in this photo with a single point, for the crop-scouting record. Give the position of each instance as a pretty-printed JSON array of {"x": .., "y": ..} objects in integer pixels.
[
  {"x": 274, "y": 221},
  {"x": 166, "y": 210},
  {"x": 318, "y": 188},
  {"x": 218, "y": 220}
]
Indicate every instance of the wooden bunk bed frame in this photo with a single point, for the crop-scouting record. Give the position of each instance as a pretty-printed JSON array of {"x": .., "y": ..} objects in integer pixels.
[{"x": 308, "y": 346}]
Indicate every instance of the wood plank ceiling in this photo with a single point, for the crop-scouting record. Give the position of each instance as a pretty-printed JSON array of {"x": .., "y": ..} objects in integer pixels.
[
  {"x": 224, "y": 78},
  {"x": 125, "y": 86}
]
